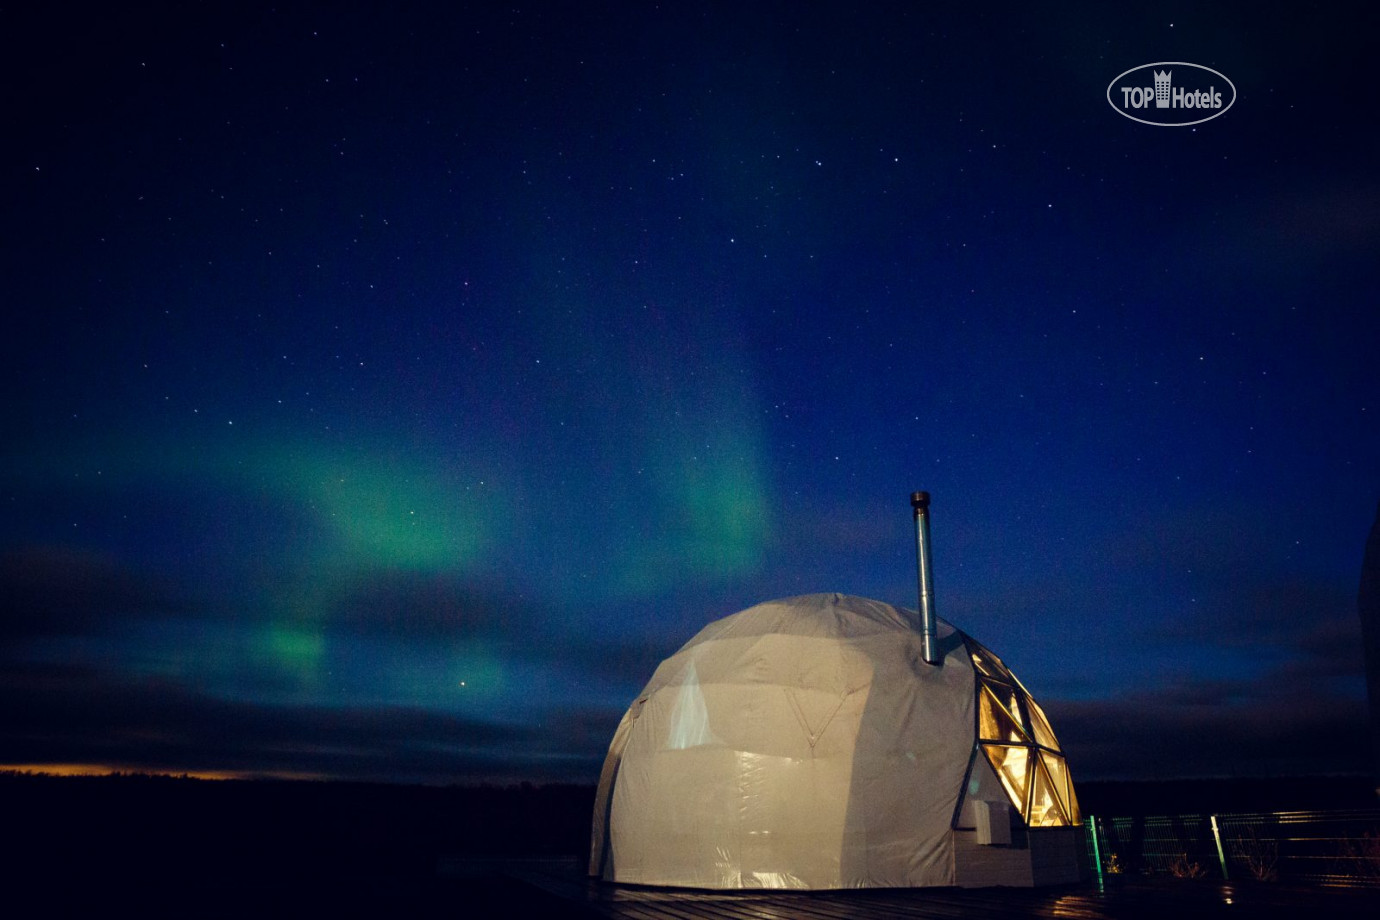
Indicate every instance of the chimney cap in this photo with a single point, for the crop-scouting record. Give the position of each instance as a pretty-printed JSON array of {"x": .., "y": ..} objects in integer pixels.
[{"x": 920, "y": 501}]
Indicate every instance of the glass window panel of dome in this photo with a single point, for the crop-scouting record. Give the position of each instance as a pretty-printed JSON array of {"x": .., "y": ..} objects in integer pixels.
[
  {"x": 991, "y": 665},
  {"x": 1075, "y": 812},
  {"x": 1043, "y": 733},
  {"x": 1059, "y": 776},
  {"x": 1045, "y": 810},
  {"x": 988, "y": 712},
  {"x": 1012, "y": 764},
  {"x": 1009, "y": 701},
  {"x": 1016, "y": 682},
  {"x": 994, "y": 722},
  {"x": 978, "y": 654}
]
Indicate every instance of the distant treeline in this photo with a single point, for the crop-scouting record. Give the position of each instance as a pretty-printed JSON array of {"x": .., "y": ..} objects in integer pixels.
[
  {"x": 1224, "y": 796},
  {"x": 127, "y": 826},
  {"x": 132, "y": 825}
]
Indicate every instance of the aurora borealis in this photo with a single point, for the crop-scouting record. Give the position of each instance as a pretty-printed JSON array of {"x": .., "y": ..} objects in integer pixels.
[{"x": 389, "y": 390}]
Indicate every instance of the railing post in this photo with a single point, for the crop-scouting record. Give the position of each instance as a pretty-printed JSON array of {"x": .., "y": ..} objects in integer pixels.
[
  {"x": 1097, "y": 849},
  {"x": 1221, "y": 856}
]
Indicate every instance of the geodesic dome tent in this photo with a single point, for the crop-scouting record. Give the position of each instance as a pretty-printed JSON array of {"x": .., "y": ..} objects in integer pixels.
[{"x": 804, "y": 743}]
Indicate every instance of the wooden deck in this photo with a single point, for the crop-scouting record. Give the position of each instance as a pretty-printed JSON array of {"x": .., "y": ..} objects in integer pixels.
[{"x": 1120, "y": 899}]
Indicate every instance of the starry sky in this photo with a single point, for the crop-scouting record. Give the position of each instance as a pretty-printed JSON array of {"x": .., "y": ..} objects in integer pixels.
[{"x": 388, "y": 390}]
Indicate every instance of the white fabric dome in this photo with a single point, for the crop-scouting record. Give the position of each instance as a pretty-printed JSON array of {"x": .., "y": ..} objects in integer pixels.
[{"x": 804, "y": 743}]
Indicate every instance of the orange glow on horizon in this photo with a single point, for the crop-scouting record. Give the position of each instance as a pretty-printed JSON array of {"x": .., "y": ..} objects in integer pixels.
[{"x": 101, "y": 769}]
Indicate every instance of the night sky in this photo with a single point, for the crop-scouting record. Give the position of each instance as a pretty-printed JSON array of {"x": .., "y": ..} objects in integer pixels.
[{"x": 386, "y": 393}]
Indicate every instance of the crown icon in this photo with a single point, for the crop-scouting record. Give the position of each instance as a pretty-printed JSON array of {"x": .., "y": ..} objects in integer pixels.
[{"x": 1162, "y": 89}]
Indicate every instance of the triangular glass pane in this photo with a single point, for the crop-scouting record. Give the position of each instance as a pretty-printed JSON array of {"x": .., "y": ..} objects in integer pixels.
[
  {"x": 1006, "y": 698},
  {"x": 1043, "y": 733},
  {"x": 994, "y": 722},
  {"x": 989, "y": 664},
  {"x": 1012, "y": 764},
  {"x": 1045, "y": 810},
  {"x": 980, "y": 662},
  {"x": 1016, "y": 681},
  {"x": 1075, "y": 812},
  {"x": 1059, "y": 775}
]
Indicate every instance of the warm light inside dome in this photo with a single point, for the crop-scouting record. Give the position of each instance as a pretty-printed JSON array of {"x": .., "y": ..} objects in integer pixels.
[{"x": 1015, "y": 737}]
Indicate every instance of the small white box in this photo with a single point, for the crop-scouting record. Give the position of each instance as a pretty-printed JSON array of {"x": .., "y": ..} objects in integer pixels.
[{"x": 993, "y": 821}]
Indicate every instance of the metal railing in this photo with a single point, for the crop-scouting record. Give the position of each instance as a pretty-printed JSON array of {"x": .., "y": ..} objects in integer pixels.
[{"x": 1331, "y": 848}]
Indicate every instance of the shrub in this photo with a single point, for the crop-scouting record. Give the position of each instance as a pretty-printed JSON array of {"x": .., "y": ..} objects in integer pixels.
[
  {"x": 1361, "y": 857},
  {"x": 1259, "y": 853},
  {"x": 1183, "y": 867}
]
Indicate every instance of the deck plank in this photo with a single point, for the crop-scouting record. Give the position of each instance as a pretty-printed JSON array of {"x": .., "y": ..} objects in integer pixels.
[{"x": 1122, "y": 900}]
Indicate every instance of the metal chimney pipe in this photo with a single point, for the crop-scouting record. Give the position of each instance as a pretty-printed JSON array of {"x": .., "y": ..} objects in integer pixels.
[{"x": 929, "y": 639}]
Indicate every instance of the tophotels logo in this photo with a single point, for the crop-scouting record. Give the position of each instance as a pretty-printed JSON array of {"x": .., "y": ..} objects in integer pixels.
[{"x": 1171, "y": 94}]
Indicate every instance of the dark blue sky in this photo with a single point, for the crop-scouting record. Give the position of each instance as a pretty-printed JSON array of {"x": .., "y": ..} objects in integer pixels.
[{"x": 387, "y": 392}]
